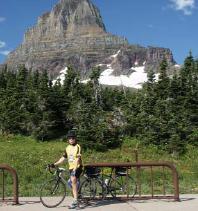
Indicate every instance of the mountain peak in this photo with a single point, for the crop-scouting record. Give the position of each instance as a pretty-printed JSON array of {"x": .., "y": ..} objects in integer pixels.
[
  {"x": 73, "y": 34},
  {"x": 69, "y": 18}
]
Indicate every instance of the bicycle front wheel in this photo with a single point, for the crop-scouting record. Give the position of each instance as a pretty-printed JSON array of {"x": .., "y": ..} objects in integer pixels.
[{"x": 52, "y": 193}]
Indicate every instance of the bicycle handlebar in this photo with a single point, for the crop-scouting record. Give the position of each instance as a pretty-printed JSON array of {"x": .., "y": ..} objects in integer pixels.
[
  {"x": 49, "y": 168},
  {"x": 57, "y": 169}
]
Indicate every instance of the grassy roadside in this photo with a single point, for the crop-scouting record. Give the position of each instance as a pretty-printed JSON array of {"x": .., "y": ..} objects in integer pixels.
[{"x": 30, "y": 157}]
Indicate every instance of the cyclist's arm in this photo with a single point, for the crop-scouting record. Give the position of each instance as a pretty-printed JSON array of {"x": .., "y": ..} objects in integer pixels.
[
  {"x": 61, "y": 160},
  {"x": 79, "y": 160}
]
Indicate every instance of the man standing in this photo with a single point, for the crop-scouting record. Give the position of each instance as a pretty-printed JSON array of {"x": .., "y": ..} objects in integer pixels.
[{"x": 73, "y": 155}]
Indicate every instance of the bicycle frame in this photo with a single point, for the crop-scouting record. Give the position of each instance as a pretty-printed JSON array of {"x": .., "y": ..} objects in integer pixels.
[{"x": 58, "y": 174}]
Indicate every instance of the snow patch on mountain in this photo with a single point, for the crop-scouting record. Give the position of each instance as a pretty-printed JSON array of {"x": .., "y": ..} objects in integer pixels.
[
  {"x": 61, "y": 77},
  {"x": 106, "y": 72},
  {"x": 177, "y": 66},
  {"x": 115, "y": 55},
  {"x": 134, "y": 80},
  {"x": 136, "y": 63}
]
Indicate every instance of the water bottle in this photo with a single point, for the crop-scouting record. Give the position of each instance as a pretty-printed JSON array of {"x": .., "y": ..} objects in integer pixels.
[{"x": 69, "y": 182}]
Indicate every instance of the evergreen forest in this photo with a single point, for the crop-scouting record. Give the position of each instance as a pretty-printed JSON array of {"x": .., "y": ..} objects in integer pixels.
[{"x": 163, "y": 113}]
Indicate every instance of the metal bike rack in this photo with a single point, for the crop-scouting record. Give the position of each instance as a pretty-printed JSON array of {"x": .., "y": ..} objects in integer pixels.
[
  {"x": 138, "y": 166},
  {"x": 3, "y": 169}
]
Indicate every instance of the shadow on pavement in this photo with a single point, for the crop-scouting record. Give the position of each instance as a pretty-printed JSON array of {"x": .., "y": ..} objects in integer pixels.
[
  {"x": 25, "y": 202},
  {"x": 164, "y": 200},
  {"x": 186, "y": 199},
  {"x": 100, "y": 203}
]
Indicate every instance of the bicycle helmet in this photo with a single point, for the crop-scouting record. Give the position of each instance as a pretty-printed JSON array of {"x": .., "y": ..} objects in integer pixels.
[{"x": 71, "y": 134}]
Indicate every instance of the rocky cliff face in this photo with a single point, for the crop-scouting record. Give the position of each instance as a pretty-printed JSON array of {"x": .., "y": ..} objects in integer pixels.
[
  {"x": 73, "y": 33},
  {"x": 67, "y": 19}
]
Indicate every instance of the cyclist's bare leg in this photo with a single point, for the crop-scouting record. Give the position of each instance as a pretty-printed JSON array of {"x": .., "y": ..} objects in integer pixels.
[{"x": 74, "y": 187}]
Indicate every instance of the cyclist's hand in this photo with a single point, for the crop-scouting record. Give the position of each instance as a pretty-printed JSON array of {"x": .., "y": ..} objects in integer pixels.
[{"x": 51, "y": 165}]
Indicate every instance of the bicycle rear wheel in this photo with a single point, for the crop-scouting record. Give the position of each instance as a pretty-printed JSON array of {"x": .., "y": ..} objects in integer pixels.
[
  {"x": 123, "y": 186},
  {"x": 100, "y": 189},
  {"x": 92, "y": 188},
  {"x": 52, "y": 193},
  {"x": 87, "y": 190}
]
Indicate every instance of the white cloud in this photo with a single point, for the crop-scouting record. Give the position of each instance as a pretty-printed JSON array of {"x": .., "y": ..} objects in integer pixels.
[
  {"x": 5, "y": 53},
  {"x": 2, "y": 19},
  {"x": 2, "y": 44},
  {"x": 186, "y": 6}
]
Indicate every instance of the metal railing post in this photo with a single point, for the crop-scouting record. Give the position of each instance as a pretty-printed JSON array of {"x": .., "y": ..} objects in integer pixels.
[{"x": 15, "y": 182}]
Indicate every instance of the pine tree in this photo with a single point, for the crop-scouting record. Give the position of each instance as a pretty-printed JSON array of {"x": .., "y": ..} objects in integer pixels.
[
  {"x": 162, "y": 88},
  {"x": 94, "y": 77},
  {"x": 71, "y": 84},
  {"x": 43, "y": 119}
]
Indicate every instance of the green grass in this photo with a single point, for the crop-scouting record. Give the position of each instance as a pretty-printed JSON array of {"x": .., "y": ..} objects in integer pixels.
[{"x": 30, "y": 158}]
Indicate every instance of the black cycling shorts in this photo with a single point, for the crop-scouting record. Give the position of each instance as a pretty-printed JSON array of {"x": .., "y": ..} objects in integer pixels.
[{"x": 77, "y": 173}]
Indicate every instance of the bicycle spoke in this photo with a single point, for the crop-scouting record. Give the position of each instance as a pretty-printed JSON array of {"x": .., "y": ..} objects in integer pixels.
[
  {"x": 87, "y": 189},
  {"x": 132, "y": 187},
  {"x": 121, "y": 186},
  {"x": 101, "y": 189}
]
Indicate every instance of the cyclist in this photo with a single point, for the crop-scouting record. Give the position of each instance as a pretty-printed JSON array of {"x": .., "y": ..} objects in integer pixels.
[{"x": 73, "y": 154}]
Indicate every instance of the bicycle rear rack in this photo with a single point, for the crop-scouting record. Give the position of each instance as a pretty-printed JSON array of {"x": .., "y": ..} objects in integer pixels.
[
  {"x": 3, "y": 169},
  {"x": 138, "y": 167}
]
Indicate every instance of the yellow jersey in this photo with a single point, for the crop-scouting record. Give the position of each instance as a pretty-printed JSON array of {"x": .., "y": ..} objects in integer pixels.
[{"x": 73, "y": 152}]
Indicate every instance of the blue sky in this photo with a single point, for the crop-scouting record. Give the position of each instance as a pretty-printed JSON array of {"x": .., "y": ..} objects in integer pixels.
[{"x": 164, "y": 23}]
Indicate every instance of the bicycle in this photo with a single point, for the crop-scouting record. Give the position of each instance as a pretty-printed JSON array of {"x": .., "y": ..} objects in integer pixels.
[{"x": 100, "y": 186}]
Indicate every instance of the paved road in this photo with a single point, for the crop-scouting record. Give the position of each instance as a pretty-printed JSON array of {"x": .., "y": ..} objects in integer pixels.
[{"x": 187, "y": 203}]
